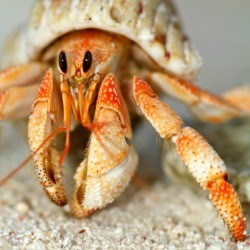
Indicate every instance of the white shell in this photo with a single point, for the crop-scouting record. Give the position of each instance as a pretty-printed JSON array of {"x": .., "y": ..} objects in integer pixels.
[{"x": 152, "y": 24}]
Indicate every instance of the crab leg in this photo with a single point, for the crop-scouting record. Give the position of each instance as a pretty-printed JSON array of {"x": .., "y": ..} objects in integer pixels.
[
  {"x": 45, "y": 117},
  {"x": 16, "y": 102},
  {"x": 200, "y": 158},
  {"x": 110, "y": 161},
  {"x": 205, "y": 106},
  {"x": 21, "y": 75},
  {"x": 18, "y": 88},
  {"x": 239, "y": 97}
]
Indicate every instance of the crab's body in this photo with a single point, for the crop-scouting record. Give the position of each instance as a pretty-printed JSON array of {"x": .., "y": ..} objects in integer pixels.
[{"x": 90, "y": 52}]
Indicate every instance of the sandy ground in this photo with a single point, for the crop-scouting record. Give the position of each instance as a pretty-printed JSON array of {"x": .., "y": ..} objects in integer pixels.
[{"x": 163, "y": 216}]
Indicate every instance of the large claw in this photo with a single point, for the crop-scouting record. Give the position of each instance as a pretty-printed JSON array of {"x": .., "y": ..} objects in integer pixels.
[
  {"x": 45, "y": 117},
  {"x": 110, "y": 162},
  {"x": 202, "y": 161}
]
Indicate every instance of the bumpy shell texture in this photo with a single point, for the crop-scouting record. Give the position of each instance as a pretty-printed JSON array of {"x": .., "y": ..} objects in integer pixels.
[{"x": 152, "y": 24}]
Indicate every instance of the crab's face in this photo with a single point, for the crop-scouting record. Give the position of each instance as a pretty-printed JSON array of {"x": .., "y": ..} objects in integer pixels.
[{"x": 79, "y": 56}]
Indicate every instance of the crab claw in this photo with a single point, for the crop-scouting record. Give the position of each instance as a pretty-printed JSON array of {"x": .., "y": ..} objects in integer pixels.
[
  {"x": 111, "y": 161},
  {"x": 45, "y": 117}
]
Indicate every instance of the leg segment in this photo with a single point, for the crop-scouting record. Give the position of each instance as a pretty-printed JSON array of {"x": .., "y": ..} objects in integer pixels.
[
  {"x": 239, "y": 97},
  {"x": 200, "y": 158},
  {"x": 16, "y": 102},
  {"x": 18, "y": 88},
  {"x": 211, "y": 173},
  {"x": 204, "y": 105},
  {"x": 21, "y": 75},
  {"x": 110, "y": 161},
  {"x": 45, "y": 117}
]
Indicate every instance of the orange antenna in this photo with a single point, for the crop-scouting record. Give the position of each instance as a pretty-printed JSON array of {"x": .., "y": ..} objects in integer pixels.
[{"x": 18, "y": 168}]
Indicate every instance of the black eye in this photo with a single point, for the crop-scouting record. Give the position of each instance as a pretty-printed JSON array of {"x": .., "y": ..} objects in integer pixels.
[
  {"x": 62, "y": 62},
  {"x": 87, "y": 61}
]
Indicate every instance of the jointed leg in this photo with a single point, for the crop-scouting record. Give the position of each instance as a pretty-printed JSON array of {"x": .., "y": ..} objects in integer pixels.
[
  {"x": 239, "y": 97},
  {"x": 18, "y": 88},
  {"x": 21, "y": 75},
  {"x": 16, "y": 102},
  {"x": 200, "y": 158},
  {"x": 204, "y": 105}
]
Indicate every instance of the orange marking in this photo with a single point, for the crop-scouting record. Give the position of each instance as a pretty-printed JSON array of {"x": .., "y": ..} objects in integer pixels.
[
  {"x": 92, "y": 40},
  {"x": 227, "y": 203},
  {"x": 141, "y": 86},
  {"x": 210, "y": 98},
  {"x": 110, "y": 97},
  {"x": 9, "y": 73},
  {"x": 191, "y": 88},
  {"x": 3, "y": 95},
  {"x": 45, "y": 91},
  {"x": 108, "y": 94}
]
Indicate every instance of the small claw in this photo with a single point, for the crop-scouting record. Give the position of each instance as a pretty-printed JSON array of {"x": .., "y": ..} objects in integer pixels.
[
  {"x": 43, "y": 120},
  {"x": 111, "y": 161}
]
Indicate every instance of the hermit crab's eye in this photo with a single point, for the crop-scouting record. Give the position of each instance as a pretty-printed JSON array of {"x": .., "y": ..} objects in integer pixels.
[
  {"x": 87, "y": 61},
  {"x": 62, "y": 62}
]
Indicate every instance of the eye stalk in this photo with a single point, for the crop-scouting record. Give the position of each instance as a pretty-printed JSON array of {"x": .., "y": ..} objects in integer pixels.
[
  {"x": 62, "y": 62},
  {"x": 87, "y": 61}
]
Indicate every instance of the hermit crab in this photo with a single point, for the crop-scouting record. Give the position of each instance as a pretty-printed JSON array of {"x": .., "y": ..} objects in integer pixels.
[{"x": 98, "y": 64}]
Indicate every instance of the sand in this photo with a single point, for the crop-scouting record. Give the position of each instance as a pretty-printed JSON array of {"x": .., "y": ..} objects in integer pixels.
[{"x": 165, "y": 215}]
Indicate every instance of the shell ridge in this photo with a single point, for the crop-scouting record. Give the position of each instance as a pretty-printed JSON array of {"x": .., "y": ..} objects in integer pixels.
[{"x": 142, "y": 21}]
